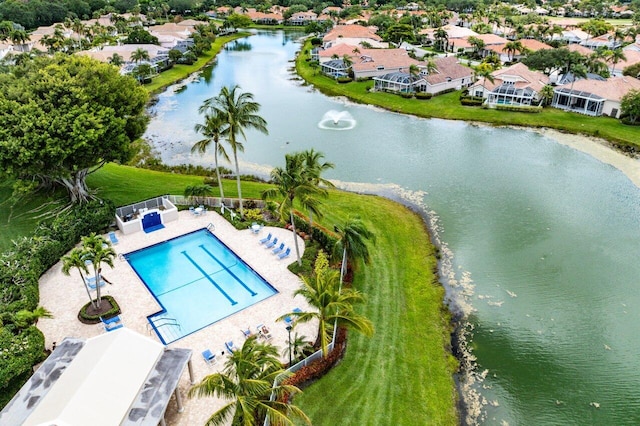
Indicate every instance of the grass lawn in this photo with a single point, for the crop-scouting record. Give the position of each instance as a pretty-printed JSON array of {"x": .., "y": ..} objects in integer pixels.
[
  {"x": 448, "y": 107},
  {"x": 403, "y": 374}
]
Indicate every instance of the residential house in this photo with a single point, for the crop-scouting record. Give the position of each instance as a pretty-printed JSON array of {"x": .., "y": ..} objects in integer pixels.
[
  {"x": 449, "y": 74},
  {"x": 376, "y": 62},
  {"x": 339, "y": 50},
  {"x": 171, "y": 34},
  {"x": 491, "y": 41},
  {"x": 454, "y": 34},
  {"x": 354, "y": 35},
  {"x": 571, "y": 36},
  {"x": 592, "y": 97},
  {"x": 607, "y": 41},
  {"x": 515, "y": 85},
  {"x": 270, "y": 18},
  {"x": 158, "y": 56},
  {"x": 302, "y": 18}
]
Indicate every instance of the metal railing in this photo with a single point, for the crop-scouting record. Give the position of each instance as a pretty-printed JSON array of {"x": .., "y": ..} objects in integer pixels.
[{"x": 231, "y": 203}]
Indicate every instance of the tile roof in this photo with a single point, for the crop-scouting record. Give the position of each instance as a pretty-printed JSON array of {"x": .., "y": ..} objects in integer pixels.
[
  {"x": 574, "y": 47},
  {"x": 534, "y": 45},
  {"x": 612, "y": 89},
  {"x": 371, "y": 59},
  {"x": 340, "y": 49},
  {"x": 448, "y": 68},
  {"x": 633, "y": 57},
  {"x": 351, "y": 31},
  {"x": 520, "y": 75}
]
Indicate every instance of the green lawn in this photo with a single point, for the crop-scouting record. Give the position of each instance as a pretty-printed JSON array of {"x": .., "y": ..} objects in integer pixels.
[
  {"x": 448, "y": 107},
  {"x": 403, "y": 374}
]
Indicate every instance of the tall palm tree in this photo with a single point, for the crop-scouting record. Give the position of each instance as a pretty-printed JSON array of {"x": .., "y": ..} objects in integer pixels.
[
  {"x": 333, "y": 304},
  {"x": 76, "y": 259},
  {"x": 247, "y": 382},
  {"x": 292, "y": 183},
  {"x": 351, "y": 244},
  {"x": 485, "y": 71},
  {"x": 98, "y": 251},
  {"x": 240, "y": 112},
  {"x": 616, "y": 55},
  {"x": 546, "y": 95},
  {"x": 212, "y": 130},
  {"x": 346, "y": 60},
  {"x": 314, "y": 169}
]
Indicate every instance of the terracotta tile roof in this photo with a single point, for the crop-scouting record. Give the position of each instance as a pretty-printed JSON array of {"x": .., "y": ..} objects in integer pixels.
[
  {"x": 454, "y": 32},
  {"x": 490, "y": 39},
  {"x": 371, "y": 59},
  {"x": 574, "y": 47},
  {"x": 612, "y": 89},
  {"x": 340, "y": 49},
  {"x": 351, "y": 31},
  {"x": 520, "y": 75},
  {"x": 633, "y": 57},
  {"x": 448, "y": 68},
  {"x": 534, "y": 45}
]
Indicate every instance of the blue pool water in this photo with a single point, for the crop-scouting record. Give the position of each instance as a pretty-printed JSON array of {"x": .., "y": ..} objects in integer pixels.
[{"x": 198, "y": 281}]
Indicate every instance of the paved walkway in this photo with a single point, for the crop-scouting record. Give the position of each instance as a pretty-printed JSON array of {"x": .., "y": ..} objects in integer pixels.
[{"x": 65, "y": 295}]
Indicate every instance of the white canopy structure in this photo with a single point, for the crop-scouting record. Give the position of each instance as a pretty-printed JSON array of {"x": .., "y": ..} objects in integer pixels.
[{"x": 118, "y": 378}]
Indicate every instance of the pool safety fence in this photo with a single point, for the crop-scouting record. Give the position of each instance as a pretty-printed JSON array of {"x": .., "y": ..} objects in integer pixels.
[{"x": 230, "y": 203}]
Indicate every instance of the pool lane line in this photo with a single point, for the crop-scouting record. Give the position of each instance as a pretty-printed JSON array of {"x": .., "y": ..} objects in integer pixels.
[
  {"x": 251, "y": 292},
  {"x": 233, "y": 302}
]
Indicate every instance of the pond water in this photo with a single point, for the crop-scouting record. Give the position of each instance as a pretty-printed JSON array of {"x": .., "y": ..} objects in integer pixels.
[{"x": 541, "y": 239}]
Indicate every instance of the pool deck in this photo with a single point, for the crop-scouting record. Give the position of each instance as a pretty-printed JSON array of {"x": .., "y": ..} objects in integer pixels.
[{"x": 65, "y": 295}]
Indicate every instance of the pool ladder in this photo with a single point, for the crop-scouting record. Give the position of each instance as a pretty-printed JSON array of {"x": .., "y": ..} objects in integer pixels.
[
  {"x": 211, "y": 227},
  {"x": 168, "y": 332}
]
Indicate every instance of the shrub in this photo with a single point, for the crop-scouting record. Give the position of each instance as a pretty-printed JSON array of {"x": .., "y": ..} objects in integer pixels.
[
  {"x": 470, "y": 101},
  {"x": 94, "y": 319},
  {"x": 406, "y": 95},
  {"x": 423, "y": 95},
  {"x": 253, "y": 215},
  {"x": 343, "y": 80},
  {"x": 519, "y": 108}
]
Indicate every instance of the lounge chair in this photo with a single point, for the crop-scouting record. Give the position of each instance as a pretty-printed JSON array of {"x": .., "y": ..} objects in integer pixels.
[
  {"x": 91, "y": 282},
  {"x": 203, "y": 209},
  {"x": 288, "y": 320},
  {"x": 192, "y": 210},
  {"x": 209, "y": 357},
  {"x": 113, "y": 238},
  {"x": 113, "y": 323},
  {"x": 266, "y": 239},
  {"x": 247, "y": 333},
  {"x": 231, "y": 347},
  {"x": 278, "y": 249},
  {"x": 272, "y": 243},
  {"x": 264, "y": 332},
  {"x": 286, "y": 253}
]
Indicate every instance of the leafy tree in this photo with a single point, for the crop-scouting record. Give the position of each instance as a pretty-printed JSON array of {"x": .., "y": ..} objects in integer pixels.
[
  {"x": 247, "y": 382},
  {"x": 239, "y": 21},
  {"x": 332, "y": 303},
  {"x": 240, "y": 112},
  {"x": 478, "y": 45},
  {"x": 63, "y": 117},
  {"x": 397, "y": 33},
  {"x": 630, "y": 106},
  {"x": 293, "y": 183},
  {"x": 175, "y": 55},
  {"x": 142, "y": 72},
  {"x": 212, "y": 129},
  {"x": 632, "y": 70},
  {"x": 141, "y": 36}
]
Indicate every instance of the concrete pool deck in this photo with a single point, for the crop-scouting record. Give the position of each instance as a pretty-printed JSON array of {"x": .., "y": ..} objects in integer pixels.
[{"x": 65, "y": 295}]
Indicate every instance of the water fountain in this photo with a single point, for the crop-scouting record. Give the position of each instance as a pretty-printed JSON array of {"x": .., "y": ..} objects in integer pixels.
[{"x": 337, "y": 120}]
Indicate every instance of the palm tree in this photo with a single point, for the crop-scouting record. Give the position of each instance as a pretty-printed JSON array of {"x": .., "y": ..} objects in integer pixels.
[
  {"x": 98, "y": 251},
  {"x": 198, "y": 192},
  {"x": 441, "y": 38},
  {"x": 546, "y": 94},
  {"x": 116, "y": 60},
  {"x": 615, "y": 56},
  {"x": 298, "y": 348},
  {"x": 351, "y": 243},
  {"x": 577, "y": 70},
  {"x": 76, "y": 259},
  {"x": 140, "y": 55},
  {"x": 212, "y": 129},
  {"x": 478, "y": 45},
  {"x": 247, "y": 382},
  {"x": 333, "y": 304},
  {"x": 512, "y": 47},
  {"x": 485, "y": 71},
  {"x": 314, "y": 168},
  {"x": 293, "y": 183},
  {"x": 346, "y": 60},
  {"x": 240, "y": 112}
]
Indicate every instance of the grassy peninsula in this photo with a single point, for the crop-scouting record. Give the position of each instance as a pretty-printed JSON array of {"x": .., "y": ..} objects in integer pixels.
[{"x": 448, "y": 106}]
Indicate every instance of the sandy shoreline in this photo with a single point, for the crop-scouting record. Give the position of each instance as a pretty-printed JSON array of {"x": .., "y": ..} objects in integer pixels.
[{"x": 600, "y": 149}]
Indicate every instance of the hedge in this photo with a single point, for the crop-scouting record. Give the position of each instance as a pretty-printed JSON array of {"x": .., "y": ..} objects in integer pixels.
[
  {"x": 22, "y": 348},
  {"x": 519, "y": 108}
]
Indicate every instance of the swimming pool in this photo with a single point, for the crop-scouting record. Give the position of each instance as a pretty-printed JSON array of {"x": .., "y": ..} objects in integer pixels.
[{"x": 198, "y": 281}]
